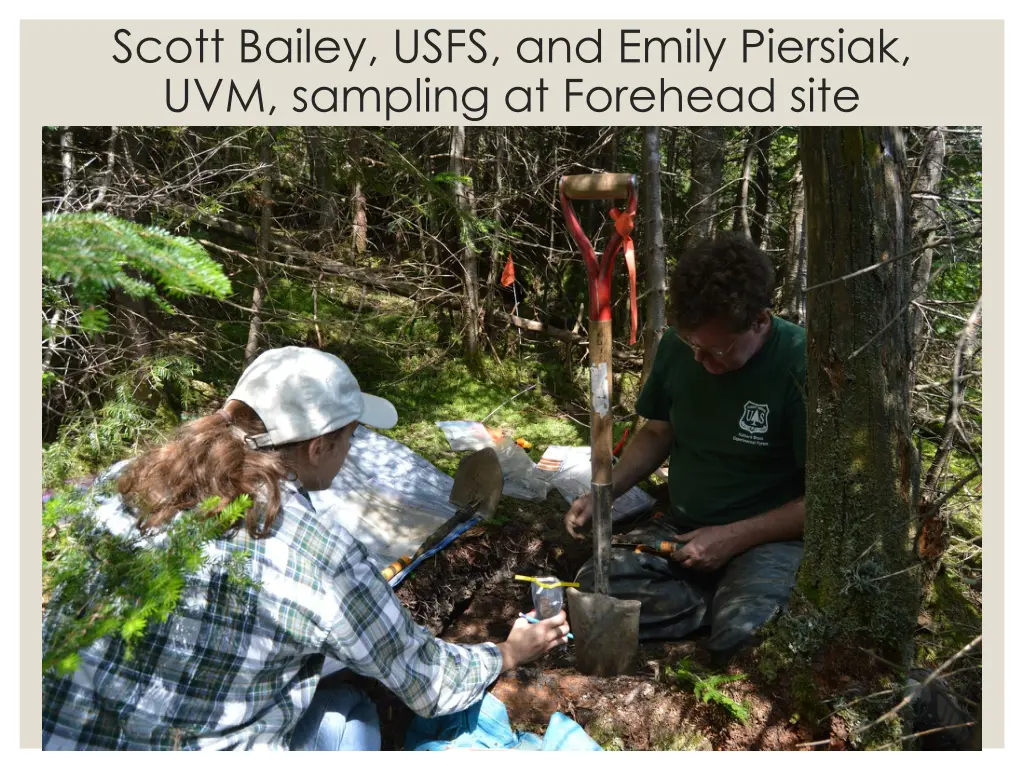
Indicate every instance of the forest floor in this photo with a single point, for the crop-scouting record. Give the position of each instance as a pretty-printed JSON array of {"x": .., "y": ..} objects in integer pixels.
[{"x": 467, "y": 593}]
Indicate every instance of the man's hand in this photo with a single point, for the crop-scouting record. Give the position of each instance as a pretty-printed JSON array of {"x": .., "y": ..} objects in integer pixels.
[
  {"x": 707, "y": 549},
  {"x": 579, "y": 513},
  {"x": 527, "y": 642},
  {"x": 644, "y": 454}
]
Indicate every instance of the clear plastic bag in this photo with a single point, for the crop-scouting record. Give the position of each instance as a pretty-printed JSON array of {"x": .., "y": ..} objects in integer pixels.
[
  {"x": 466, "y": 435},
  {"x": 548, "y": 596}
]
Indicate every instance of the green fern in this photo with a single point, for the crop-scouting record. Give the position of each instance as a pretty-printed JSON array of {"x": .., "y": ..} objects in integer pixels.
[
  {"x": 100, "y": 585},
  {"x": 706, "y": 688}
]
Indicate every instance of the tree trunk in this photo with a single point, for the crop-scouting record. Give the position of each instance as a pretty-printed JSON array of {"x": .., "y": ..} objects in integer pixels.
[
  {"x": 655, "y": 241},
  {"x": 795, "y": 278},
  {"x": 741, "y": 219},
  {"x": 67, "y": 162},
  {"x": 323, "y": 178},
  {"x": 470, "y": 300},
  {"x": 762, "y": 185},
  {"x": 355, "y": 151},
  {"x": 673, "y": 183},
  {"x": 965, "y": 349},
  {"x": 933, "y": 523},
  {"x": 252, "y": 345},
  {"x": 924, "y": 215},
  {"x": 497, "y": 242},
  {"x": 707, "y": 159},
  {"x": 433, "y": 249},
  {"x": 862, "y": 467}
]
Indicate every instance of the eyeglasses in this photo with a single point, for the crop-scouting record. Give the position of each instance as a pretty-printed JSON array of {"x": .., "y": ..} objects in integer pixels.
[{"x": 712, "y": 352}]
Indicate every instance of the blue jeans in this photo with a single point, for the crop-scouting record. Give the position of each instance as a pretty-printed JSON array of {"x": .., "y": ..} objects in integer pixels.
[{"x": 340, "y": 718}]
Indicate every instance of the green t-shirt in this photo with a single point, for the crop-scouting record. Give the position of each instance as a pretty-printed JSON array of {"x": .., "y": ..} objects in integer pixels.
[{"x": 739, "y": 438}]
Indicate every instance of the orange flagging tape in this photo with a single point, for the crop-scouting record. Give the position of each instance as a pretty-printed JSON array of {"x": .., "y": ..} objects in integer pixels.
[{"x": 624, "y": 226}]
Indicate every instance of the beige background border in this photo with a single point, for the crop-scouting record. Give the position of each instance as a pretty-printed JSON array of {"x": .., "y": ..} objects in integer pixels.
[{"x": 937, "y": 88}]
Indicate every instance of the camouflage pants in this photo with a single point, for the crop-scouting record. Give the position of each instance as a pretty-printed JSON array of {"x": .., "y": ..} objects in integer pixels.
[{"x": 676, "y": 601}]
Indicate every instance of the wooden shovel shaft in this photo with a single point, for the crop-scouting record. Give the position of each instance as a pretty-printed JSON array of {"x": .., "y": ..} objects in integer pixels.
[
  {"x": 597, "y": 186},
  {"x": 601, "y": 448}
]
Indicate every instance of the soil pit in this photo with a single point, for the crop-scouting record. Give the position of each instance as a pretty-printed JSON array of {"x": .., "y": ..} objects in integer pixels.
[{"x": 468, "y": 594}]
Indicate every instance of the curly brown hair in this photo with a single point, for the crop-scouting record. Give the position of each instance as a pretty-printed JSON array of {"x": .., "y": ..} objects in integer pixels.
[{"x": 725, "y": 278}]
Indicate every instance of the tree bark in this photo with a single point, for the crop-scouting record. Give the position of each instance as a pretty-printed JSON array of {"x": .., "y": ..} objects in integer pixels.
[
  {"x": 67, "y": 162},
  {"x": 862, "y": 480},
  {"x": 497, "y": 241},
  {"x": 707, "y": 159},
  {"x": 673, "y": 184},
  {"x": 924, "y": 215},
  {"x": 468, "y": 256},
  {"x": 655, "y": 241},
  {"x": 252, "y": 345},
  {"x": 741, "y": 219},
  {"x": 795, "y": 278},
  {"x": 323, "y": 178},
  {"x": 359, "y": 227},
  {"x": 762, "y": 185}
]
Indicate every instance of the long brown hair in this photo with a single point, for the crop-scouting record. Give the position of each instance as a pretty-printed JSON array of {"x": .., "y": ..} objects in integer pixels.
[{"x": 205, "y": 458}]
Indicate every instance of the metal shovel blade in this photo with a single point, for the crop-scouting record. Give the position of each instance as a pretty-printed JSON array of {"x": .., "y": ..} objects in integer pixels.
[
  {"x": 476, "y": 492},
  {"x": 607, "y": 633},
  {"x": 479, "y": 482}
]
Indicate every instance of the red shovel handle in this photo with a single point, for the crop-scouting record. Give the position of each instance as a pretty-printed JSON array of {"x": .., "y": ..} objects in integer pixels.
[{"x": 599, "y": 274}]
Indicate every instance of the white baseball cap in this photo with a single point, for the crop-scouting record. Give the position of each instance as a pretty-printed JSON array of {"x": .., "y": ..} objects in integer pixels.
[{"x": 301, "y": 393}]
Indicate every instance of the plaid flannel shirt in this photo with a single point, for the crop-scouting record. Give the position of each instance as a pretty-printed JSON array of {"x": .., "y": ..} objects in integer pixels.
[{"x": 236, "y": 668}]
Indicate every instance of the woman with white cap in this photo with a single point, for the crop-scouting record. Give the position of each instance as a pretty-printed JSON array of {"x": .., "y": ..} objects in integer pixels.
[{"x": 231, "y": 671}]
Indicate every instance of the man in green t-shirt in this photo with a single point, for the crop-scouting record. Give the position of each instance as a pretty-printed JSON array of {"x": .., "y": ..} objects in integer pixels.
[{"x": 725, "y": 404}]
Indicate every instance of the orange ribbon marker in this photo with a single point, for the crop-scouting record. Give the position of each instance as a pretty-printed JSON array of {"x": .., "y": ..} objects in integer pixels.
[{"x": 624, "y": 223}]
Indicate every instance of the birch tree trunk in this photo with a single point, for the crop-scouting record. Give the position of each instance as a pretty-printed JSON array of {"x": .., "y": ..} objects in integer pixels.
[{"x": 762, "y": 187}]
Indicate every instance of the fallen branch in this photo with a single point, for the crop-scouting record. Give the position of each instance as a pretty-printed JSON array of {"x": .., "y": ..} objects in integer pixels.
[
  {"x": 918, "y": 689},
  {"x": 922, "y": 733}
]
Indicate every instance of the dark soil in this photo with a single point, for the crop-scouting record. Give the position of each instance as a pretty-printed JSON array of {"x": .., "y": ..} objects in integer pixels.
[{"x": 468, "y": 594}]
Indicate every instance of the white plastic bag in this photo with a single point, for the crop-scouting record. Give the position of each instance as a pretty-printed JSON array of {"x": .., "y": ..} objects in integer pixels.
[
  {"x": 522, "y": 478},
  {"x": 568, "y": 469}
]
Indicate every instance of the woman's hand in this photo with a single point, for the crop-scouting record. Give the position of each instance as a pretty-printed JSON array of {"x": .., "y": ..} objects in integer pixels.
[{"x": 527, "y": 642}]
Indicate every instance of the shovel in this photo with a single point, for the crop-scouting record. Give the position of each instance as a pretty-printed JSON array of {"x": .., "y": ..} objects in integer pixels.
[
  {"x": 607, "y": 629},
  {"x": 476, "y": 493}
]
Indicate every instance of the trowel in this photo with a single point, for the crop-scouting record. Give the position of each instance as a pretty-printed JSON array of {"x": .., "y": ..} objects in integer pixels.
[
  {"x": 607, "y": 629},
  {"x": 476, "y": 492}
]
